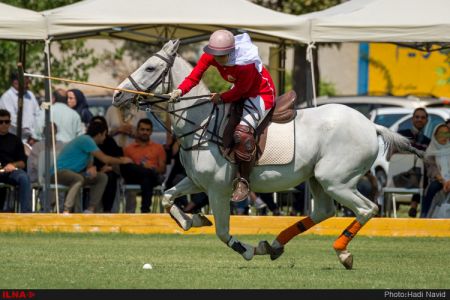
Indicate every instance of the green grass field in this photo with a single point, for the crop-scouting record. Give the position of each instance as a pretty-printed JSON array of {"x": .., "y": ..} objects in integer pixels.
[{"x": 114, "y": 261}]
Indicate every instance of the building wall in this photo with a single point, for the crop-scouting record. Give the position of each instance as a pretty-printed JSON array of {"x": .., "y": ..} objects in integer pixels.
[
  {"x": 338, "y": 64},
  {"x": 403, "y": 71}
]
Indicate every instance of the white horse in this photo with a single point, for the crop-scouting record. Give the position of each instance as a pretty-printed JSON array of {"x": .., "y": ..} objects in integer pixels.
[{"x": 334, "y": 146}]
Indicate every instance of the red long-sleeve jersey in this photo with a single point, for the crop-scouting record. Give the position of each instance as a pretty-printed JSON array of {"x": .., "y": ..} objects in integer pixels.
[{"x": 247, "y": 81}]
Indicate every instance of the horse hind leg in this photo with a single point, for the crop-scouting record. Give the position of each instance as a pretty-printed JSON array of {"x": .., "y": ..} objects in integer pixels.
[
  {"x": 323, "y": 210},
  {"x": 364, "y": 210}
]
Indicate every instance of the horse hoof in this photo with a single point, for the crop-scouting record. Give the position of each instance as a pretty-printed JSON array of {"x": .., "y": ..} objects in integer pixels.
[
  {"x": 346, "y": 258},
  {"x": 263, "y": 248},
  {"x": 182, "y": 219},
  {"x": 249, "y": 252},
  {"x": 199, "y": 220},
  {"x": 276, "y": 252}
]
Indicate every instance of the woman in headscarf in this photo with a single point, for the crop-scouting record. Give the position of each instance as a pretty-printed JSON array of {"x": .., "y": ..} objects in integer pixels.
[
  {"x": 77, "y": 101},
  {"x": 437, "y": 161}
]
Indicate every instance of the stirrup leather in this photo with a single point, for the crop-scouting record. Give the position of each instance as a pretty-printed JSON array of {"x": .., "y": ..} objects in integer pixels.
[{"x": 241, "y": 189}]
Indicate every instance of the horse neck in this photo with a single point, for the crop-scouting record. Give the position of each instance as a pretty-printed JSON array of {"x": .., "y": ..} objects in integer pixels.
[{"x": 197, "y": 114}]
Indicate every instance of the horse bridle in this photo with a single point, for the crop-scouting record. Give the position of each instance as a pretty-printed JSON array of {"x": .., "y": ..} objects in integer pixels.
[{"x": 160, "y": 79}]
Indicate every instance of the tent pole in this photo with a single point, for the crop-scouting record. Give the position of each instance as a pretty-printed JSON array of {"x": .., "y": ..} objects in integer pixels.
[
  {"x": 282, "y": 68},
  {"x": 47, "y": 132},
  {"x": 311, "y": 88},
  {"x": 20, "y": 64}
]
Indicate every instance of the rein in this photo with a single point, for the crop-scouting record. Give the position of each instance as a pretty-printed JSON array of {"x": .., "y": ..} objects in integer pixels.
[
  {"x": 215, "y": 111},
  {"x": 143, "y": 102}
]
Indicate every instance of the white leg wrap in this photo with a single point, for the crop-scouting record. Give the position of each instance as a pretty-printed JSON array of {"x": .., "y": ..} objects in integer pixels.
[
  {"x": 166, "y": 201},
  {"x": 182, "y": 219}
]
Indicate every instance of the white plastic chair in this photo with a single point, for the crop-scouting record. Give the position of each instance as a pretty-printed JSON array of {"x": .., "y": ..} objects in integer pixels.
[
  {"x": 400, "y": 163},
  {"x": 158, "y": 191}
]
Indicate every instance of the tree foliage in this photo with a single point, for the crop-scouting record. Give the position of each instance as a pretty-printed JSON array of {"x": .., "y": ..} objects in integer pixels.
[
  {"x": 73, "y": 61},
  {"x": 444, "y": 71},
  {"x": 301, "y": 72},
  {"x": 297, "y": 7}
]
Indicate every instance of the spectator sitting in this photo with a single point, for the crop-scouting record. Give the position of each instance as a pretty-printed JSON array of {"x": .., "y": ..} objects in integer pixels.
[
  {"x": 149, "y": 165},
  {"x": 77, "y": 101},
  {"x": 33, "y": 159},
  {"x": 9, "y": 102},
  {"x": 298, "y": 201},
  {"x": 437, "y": 160},
  {"x": 109, "y": 147},
  {"x": 68, "y": 121},
  {"x": 267, "y": 198},
  {"x": 256, "y": 201},
  {"x": 120, "y": 129},
  {"x": 240, "y": 208},
  {"x": 75, "y": 167},
  {"x": 12, "y": 162},
  {"x": 418, "y": 141}
]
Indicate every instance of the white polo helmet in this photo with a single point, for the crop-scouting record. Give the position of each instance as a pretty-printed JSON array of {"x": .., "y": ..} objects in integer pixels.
[{"x": 221, "y": 42}]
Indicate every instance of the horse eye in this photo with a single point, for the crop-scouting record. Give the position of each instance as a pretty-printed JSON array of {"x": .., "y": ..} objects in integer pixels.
[{"x": 149, "y": 69}]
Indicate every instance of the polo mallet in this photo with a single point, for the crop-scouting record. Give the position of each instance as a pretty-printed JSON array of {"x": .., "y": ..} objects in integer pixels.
[{"x": 160, "y": 96}]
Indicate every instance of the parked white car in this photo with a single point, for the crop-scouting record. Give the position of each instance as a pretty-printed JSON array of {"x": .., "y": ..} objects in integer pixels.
[
  {"x": 366, "y": 104},
  {"x": 398, "y": 119}
]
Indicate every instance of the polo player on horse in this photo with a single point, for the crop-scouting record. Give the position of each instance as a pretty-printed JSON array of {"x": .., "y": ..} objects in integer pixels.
[{"x": 238, "y": 62}]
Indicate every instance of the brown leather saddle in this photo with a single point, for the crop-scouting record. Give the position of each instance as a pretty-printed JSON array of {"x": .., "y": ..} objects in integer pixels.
[{"x": 283, "y": 112}]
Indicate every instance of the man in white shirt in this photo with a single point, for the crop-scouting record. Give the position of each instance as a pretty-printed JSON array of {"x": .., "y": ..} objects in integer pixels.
[
  {"x": 66, "y": 119},
  {"x": 9, "y": 101}
]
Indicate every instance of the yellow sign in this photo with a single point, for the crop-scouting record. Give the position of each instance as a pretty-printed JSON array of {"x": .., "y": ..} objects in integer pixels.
[{"x": 402, "y": 71}]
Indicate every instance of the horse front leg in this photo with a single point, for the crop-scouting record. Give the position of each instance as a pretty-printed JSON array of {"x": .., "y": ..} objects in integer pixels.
[
  {"x": 184, "y": 220},
  {"x": 220, "y": 204}
]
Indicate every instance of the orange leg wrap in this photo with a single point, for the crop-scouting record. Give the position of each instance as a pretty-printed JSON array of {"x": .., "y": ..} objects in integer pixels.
[
  {"x": 347, "y": 235},
  {"x": 295, "y": 229}
]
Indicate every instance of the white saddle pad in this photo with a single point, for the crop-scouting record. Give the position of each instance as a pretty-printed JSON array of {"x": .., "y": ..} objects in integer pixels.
[{"x": 279, "y": 145}]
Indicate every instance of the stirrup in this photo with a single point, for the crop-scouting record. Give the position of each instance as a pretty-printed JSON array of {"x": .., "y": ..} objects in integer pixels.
[{"x": 239, "y": 194}]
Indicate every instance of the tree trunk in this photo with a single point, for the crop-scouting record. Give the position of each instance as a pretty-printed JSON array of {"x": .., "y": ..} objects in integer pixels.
[{"x": 301, "y": 75}]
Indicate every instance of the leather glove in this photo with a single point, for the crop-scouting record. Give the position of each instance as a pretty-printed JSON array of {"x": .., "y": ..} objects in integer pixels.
[
  {"x": 175, "y": 95},
  {"x": 215, "y": 97}
]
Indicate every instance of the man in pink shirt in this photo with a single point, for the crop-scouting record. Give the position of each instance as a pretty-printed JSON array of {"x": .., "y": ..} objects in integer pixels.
[{"x": 238, "y": 62}]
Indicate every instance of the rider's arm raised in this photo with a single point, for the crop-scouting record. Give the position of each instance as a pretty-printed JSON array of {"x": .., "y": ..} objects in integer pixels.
[{"x": 196, "y": 74}]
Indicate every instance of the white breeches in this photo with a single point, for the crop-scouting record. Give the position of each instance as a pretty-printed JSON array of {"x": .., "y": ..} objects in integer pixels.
[{"x": 254, "y": 112}]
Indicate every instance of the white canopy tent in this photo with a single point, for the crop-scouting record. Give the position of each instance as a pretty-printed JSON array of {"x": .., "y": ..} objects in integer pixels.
[
  {"x": 411, "y": 22},
  {"x": 378, "y": 21},
  {"x": 21, "y": 24},
  {"x": 152, "y": 21}
]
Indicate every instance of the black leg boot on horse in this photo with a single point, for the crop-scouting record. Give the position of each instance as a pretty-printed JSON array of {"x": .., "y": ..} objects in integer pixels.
[{"x": 245, "y": 151}]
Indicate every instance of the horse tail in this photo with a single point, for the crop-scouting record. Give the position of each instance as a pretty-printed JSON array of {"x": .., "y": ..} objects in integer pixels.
[{"x": 397, "y": 141}]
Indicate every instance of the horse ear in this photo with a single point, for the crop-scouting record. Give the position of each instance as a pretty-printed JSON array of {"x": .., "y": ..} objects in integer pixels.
[{"x": 171, "y": 47}]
